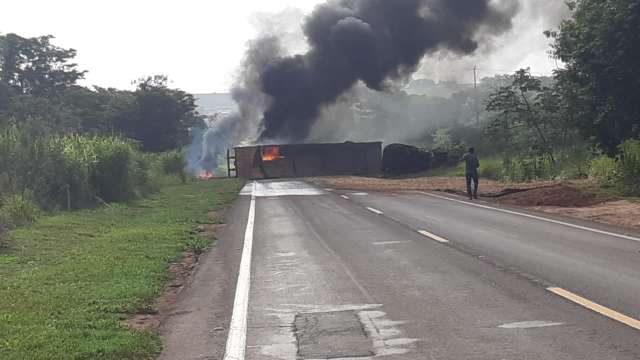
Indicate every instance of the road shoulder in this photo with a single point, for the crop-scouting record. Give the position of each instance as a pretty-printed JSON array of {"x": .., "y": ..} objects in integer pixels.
[{"x": 197, "y": 327}]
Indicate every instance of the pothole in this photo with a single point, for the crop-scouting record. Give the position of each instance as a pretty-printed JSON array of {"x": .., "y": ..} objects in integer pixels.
[{"x": 331, "y": 335}]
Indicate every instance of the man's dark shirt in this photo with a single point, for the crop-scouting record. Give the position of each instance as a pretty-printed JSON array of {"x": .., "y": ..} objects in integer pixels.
[{"x": 471, "y": 164}]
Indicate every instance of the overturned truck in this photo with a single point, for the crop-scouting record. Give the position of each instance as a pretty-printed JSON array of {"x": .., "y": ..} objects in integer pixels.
[{"x": 304, "y": 160}]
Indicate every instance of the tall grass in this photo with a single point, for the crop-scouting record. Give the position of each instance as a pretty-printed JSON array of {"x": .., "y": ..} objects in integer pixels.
[
  {"x": 604, "y": 171},
  {"x": 174, "y": 163},
  {"x": 629, "y": 167},
  {"x": 72, "y": 171},
  {"x": 621, "y": 173}
]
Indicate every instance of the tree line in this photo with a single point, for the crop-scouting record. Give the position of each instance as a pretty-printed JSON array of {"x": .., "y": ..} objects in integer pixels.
[
  {"x": 67, "y": 146},
  {"x": 583, "y": 121},
  {"x": 39, "y": 93}
]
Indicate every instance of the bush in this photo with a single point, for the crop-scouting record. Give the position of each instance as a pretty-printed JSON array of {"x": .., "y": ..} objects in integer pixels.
[
  {"x": 603, "y": 170},
  {"x": 197, "y": 245},
  {"x": 72, "y": 171},
  {"x": 491, "y": 168},
  {"x": 112, "y": 168},
  {"x": 174, "y": 163},
  {"x": 143, "y": 173},
  {"x": 528, "y": 169},
  {"x": 629, "y": 167},
  {"x": 18, "y": 210}
]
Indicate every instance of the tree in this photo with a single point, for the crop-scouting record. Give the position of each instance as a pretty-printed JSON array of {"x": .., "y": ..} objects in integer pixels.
[
  {"x": 100, "y": 110},
  {"x": 442, "y": 139},
  {"x": 601, "y": 81},
  {"x": 163, "y": 115},
  {"x": 34, "y": 66},
  {"x": 527, "y": 113}
]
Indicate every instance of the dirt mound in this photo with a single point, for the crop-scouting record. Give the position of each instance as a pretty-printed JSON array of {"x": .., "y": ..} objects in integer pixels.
[
  {"x": 621, "y": 213},
  {"x": 557, "y": 195}
]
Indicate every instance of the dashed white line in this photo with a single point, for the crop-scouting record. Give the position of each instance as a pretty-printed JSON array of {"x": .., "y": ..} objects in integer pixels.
[
  {"x": 359, "y": 194},
  {"x": 433, "y": 236},
  {"x": 375, "y": 211},
  {"x": 621, "y": 236},
  {"x": 383, "y": 243},
  {"x": 344, "y": 197},
  {"x": 237, "y": 338},
  {"x": 530, "y": 325}
]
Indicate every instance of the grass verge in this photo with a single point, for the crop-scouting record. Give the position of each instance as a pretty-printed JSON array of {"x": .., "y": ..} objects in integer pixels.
[{"x": 69, "y": 280}]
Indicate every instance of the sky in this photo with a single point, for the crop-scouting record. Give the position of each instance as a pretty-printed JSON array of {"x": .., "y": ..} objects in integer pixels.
[{"x": 199, "y": 44}]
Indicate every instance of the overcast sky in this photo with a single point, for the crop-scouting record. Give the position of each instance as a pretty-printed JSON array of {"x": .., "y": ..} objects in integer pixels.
[{"x": 198, "y": 43}]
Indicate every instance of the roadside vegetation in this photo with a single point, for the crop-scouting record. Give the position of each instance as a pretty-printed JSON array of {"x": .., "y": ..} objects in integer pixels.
[
  {"x": 65, "y": 147},
  {"x": 68, "y": 281},
  {"x": 95, "y": 203},
  {"x": 584, "y": 122}
]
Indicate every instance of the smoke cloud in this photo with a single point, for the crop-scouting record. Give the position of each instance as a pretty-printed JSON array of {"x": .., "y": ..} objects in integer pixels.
[
  {"x": 372, "y": 41},
  {"x": 242, "y": 127},
  {"x": 524, "y": 46}
]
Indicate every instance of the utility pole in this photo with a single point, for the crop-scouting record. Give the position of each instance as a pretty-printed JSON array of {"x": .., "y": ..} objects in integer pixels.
[{"x": 477, "y": 98}]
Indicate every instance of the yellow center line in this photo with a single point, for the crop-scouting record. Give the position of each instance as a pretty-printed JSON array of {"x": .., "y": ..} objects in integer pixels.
[{"x": 602, "y": 310}]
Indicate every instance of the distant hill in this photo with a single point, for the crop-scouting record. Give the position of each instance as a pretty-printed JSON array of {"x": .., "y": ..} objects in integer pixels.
[{"x": 209, "y": 104}]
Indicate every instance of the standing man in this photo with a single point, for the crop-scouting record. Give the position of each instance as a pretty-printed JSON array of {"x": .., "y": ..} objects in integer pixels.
[{"x": 471, "y": 172}]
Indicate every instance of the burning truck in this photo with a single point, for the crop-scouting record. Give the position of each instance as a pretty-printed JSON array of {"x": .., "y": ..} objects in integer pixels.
[
  {"x": 376, "y": 43},
  {"x": 304, "y": 160}
]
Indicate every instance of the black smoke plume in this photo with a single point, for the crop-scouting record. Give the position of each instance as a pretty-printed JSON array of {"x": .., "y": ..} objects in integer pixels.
[{"x": 372, "y": 41}]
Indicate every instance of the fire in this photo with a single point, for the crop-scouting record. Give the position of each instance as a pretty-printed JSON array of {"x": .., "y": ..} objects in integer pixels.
[
  {"x": 206, "y": 175},
  {"x": 271, "y": 153}
]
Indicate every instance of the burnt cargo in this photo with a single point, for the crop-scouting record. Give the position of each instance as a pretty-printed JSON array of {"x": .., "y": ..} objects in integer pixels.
[{"x": 307, "y": 160}]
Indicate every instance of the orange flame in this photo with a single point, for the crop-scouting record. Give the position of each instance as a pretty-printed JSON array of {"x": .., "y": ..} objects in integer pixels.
[
  {"x": 206, "y": 175},
  {"x": 271, "y": 153}
]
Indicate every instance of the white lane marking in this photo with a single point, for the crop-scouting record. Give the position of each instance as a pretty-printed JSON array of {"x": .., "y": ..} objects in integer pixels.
[
  {"x": 359, "y": 194},
  {"x": 383, "y": 243},
  {"x": 286, "y": 254},
  {"x": 344, "y": 197},
  {"x": 602, "y": 310},
  {"x": 375, "y": 211},
  {"x": 237, "y": 339},
  {"x": 281, "y": 188},
  {"x": 433, "y": 236},
  {"x": 530, "y": 325},
  {"x": 602, "y": 232}
]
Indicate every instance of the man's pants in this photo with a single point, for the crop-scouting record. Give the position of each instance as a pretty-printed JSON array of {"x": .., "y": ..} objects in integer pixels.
[{"x": 474, "y": 178}]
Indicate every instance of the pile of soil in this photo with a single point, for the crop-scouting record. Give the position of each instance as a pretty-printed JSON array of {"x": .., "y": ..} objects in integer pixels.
[
  {"x": 563, "y": 195},
  {"x": 622, "y": 213}
]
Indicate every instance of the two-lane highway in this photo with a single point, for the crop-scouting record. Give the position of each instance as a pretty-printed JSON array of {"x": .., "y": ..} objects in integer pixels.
[
  {"x": 597, "y": 263},
  {"x": 418, "y": 276},
  {"x": 325, "y": 274}
]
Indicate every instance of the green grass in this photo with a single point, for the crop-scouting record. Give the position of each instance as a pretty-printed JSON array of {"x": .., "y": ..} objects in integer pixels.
[{"x": 68, "y": 281}]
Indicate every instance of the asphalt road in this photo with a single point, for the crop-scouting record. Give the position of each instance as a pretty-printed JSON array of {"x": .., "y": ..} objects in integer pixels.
[{"x": 416, "y": 276}]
